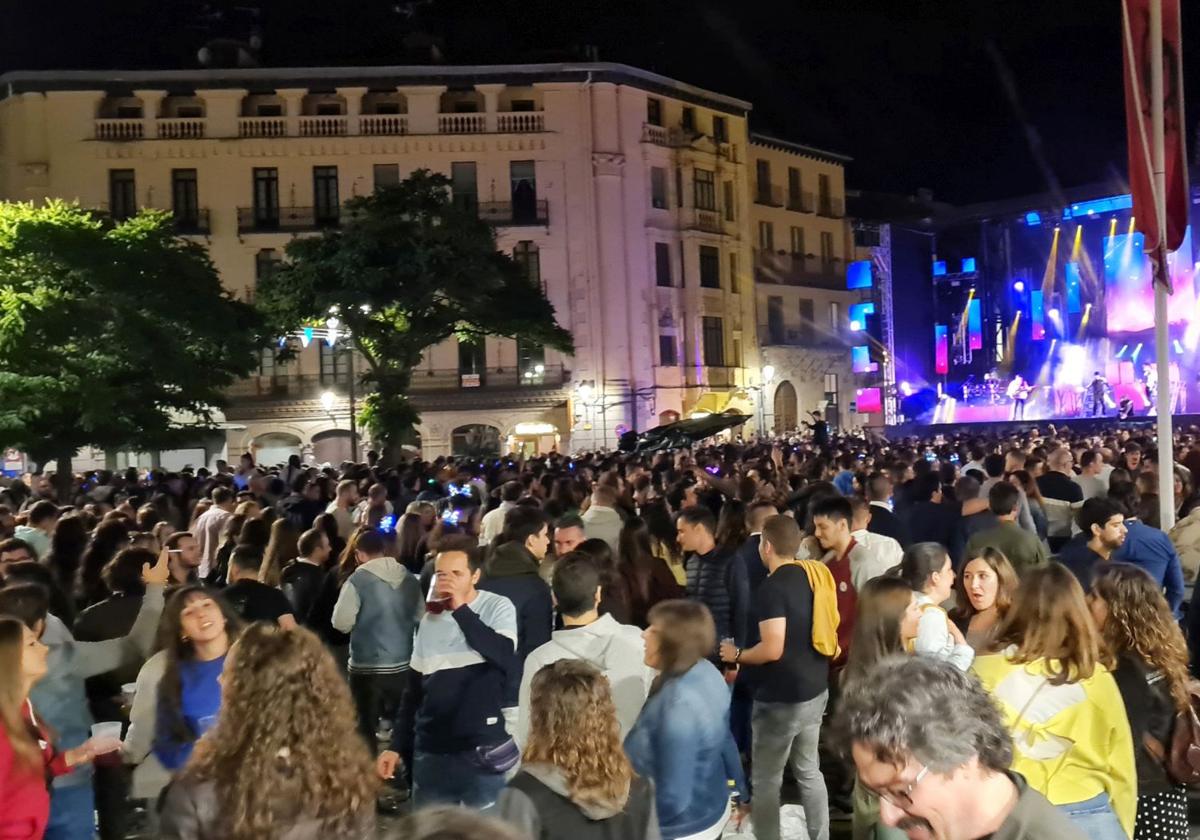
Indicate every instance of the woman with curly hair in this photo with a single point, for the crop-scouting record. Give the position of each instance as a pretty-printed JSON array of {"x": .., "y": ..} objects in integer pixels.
[
  {"x": 1152, "y": 673},
  {"x": 283, "y": 761},
  {"x": 178, "y": 689},
  {"x": 576, "y": 781}
]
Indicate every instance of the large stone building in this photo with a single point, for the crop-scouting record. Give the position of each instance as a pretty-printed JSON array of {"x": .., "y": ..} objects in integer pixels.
[{"x": 631, "y": 196}]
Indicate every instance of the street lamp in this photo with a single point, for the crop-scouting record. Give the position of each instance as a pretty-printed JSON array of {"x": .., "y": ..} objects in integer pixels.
[{"x": 328, "y": 400}]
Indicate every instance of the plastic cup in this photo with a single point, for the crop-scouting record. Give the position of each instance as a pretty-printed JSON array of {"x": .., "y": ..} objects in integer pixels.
[{"x": 108, "y": 729}]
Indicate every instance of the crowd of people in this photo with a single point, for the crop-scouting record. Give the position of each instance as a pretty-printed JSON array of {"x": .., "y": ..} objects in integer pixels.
[{"x": 977, "y": 636}]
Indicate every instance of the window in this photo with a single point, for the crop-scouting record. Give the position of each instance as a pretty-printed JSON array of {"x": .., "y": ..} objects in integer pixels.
[
  {"x": 710, "y": 267},
  {"x": 185, "y": 198},
  {"x": 662, "y": 264},
  {"x": 531, "y": 362},
  {"x": 688, "y": 121},
  {"x": 831, "y": 387},
  {"x": 734, "y": 285},
  {"x": 335, "y": 363},
  {"x": 269, "y": 109},
  {"x": 720, "y": 130},
  {"x": 472, "y": 362},
  {"x": 266, "y": 362},
  {"x": 824, "y": 195},
  {"x": 265, "y": 262},
  {"x": 382, "y": 106},
  {"x": 129, "y": 112},
  {"x": 527, "y": 255},
  {"x": 654, "y": 111},
  {"x": 797, "y": 242},
  {"x": 522, "y": 105},
  {"x": 266, "y": 197},
  {"x": 678, "y": 186},
  {"x": 766, "y": 237},
  {"x": 806, "y": 321},
  {"x": 667, "y": 355},
  {"x": 466, "y": 107},
  {"x": 658, "y": 187},
  {"x": 386, "y": 175},
  {"x": 122, "y": 194},
  {"x": 737, "y": 353},
  {"x": 463, "y": 187},
  {"x": 189, "y": 111},
  {"x": 793, "y": 188},
  {"x": 728, "y": 196},
  {"x": 762, "y": 179},
  {"x": 835, "y": 316},
  {"x": 329, "y": 109},
  {"x": 682, "y": 265},
  {"x": 714, "y": 341},
  {"x": 523, "y": 183},
  {"x": 705, "y": 190},
  {"x": 826, "y": 247},
  {"x": 326, "y": 207},
  {"x": 775, "y": 333}
]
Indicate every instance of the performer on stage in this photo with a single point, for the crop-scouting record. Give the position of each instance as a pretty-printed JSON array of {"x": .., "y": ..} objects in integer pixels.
[
  {"x": 1018, "y": 391},
  {"x": 1099, "y": 390}
]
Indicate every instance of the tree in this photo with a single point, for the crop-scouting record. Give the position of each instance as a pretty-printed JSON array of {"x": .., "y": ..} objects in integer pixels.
[
  {"x": 112, "y": 334},
  {"x": 407, "y": 269}
]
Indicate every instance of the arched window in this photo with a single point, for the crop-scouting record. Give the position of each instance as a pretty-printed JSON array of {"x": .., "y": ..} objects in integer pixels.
[{"x": 475, "y": 440}]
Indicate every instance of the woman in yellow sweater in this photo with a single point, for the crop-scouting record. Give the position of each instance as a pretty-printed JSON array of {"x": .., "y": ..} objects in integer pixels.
[{"x": 1071, "y": 738}]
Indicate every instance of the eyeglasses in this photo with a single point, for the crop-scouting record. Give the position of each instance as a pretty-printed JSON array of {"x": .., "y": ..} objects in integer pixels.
[{"x": 901, "y": 799}]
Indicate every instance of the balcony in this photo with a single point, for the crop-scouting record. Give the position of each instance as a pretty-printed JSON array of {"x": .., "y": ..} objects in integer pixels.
[
  {"x": 474, "y": 123},
  {"x": 311, "y": 386},
  {"x": 521, "y": 122},
  {"x": 262, "y": 126},
  {"x": 515, "y": 214},
  {"x": 830, "y": 208},
  {"x": 655, "y": 134},
  {"x": 323, "y": 125},
  {"x": 770, "y": 195},
  {"x": 801, "y": 202},
  {"x": 709, "y": 221},
  {"x": 286, "y": 219},
  {"x": 714, "y": 376},
  {"x": 192, "y": 222},
  {"x": 805, "y": 336},
  {"x": 120, "y": 129},
  {"x": 181, "y": 128},
  {"x": 287, "y": 386},
  {"x": 383, "y": 124},
  {"x": 799, "y": 270}
]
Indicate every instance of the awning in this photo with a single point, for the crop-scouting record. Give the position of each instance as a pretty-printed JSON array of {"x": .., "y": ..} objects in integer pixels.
[{"x": 710, "y": 402}]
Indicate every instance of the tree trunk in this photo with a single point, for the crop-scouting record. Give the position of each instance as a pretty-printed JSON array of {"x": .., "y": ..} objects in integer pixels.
[{"x": 64, "y": 477}]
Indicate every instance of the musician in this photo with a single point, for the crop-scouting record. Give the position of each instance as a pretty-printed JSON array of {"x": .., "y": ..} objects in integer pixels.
[
  {"x": 1099, "y": 389},
  {"x": 1019, "y": 391}
]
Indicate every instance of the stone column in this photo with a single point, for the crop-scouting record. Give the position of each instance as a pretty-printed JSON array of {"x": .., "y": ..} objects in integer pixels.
[
  {"x": 491, "y": 103},
  {"x": 353, "y": 97},
  {"x": 222, "y": 107},
  {"x": 151, "y": 101},
  {"x": 294, "y": 97},
  {"x": 424, "y": 105}
]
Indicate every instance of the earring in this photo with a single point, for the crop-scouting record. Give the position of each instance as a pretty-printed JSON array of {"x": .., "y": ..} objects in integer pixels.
[{"x": 185, "y": 638}]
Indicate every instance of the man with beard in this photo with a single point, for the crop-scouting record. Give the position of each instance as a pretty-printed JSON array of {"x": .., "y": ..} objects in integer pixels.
[
  {"x": 928, "y": 742},
  {"x": 1103, "y": 525}
]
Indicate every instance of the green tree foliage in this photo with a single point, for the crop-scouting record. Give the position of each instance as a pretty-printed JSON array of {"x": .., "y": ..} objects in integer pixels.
[
  {"x": 116, "y": 335},
  {"x": 406, "y": 270}
]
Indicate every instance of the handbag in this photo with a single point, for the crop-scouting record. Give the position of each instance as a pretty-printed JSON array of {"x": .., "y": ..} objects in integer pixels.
[{"x": 500, "y": 758}]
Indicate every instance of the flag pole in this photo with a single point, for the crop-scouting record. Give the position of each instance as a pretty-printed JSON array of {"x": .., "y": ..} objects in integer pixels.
[{"x": 1166, "y": 446}]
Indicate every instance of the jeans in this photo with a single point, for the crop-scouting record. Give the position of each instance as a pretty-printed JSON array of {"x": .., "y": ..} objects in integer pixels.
[
  {"x": 373, "y": 694},
  {"x": 780, "y": 731},
  {"x": 1095, "y": 818},
  {"x": 72, "y": 813},
  {"x": 453, "y": 779}
]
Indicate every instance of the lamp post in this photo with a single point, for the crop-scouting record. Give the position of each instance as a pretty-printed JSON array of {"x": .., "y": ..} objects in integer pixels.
[
  {"x": 768, "y": 374},
  {"x": 331, "y": 334}
]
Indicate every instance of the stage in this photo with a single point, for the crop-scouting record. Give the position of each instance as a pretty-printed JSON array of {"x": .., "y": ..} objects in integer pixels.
[{"x": 1183, "y": 423}]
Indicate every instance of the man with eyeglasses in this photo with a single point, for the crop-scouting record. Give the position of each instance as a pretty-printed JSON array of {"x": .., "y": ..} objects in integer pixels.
[{"x": 929, "y": 742}]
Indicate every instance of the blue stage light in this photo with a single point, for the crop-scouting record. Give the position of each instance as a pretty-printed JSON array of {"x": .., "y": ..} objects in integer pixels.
[
  {"x": 1019, "y": 286},
  {"x": 939, "y": 268},
  {"x": 1033, "y": 218},
  {"x": 968, "y": 265}
]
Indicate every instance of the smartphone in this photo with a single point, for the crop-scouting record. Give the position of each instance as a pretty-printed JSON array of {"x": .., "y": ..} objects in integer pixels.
[
  {"x": 387, "y": 525},
  {"x": 451, "y": 516}
]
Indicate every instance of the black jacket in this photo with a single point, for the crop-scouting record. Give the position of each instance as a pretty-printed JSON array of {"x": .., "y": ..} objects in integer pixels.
[
  {"x": 301, "y": 583},
  {"x": 513, "y": 572},
  {"x": 884, "y": 522},
  {"x": 932, "y": 522},
  {"x": 718, "y": 580},
  {"x": 541, "y": 808}
]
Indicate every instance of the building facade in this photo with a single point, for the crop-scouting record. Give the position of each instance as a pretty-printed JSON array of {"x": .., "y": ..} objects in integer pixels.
[
  {"x": 805, "y": 315},
  {"x": 624, "y": 192}
]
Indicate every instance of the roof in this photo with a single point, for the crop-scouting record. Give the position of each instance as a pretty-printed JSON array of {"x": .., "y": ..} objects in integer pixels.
[
  {"x": 798, "y": 148},
  {"x": 261, "y": 78}
]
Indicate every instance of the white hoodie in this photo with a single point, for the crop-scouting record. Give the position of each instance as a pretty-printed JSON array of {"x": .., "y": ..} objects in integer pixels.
[{"x": 616, "y": 649}]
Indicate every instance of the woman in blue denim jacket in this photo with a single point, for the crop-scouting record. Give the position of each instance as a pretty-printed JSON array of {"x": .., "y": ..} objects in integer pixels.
[{"x": 681, "y": 739}]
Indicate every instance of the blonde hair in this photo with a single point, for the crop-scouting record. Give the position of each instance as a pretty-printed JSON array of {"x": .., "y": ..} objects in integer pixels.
[
  {"x": 286, "y": 745},
  {"x": 1050, "y": 620},
  {"x": 1140, "y": 623},
  {"x": 12, "y": 695},
  {"x": 563, "y": 696}
]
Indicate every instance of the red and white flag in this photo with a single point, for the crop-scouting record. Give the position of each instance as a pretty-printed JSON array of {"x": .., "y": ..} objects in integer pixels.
[{"x": 1140, "y": 130}]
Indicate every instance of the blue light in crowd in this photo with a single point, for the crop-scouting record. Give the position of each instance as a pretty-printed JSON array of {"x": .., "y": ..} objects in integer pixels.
[
  {"x": 939, "y": 268},
  {"x": 968, "y": 265},
  {"x": 1033, "y": 218}
]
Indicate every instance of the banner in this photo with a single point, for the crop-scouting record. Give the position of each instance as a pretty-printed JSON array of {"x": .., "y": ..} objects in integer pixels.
[{"x": 1140, "y": 130}]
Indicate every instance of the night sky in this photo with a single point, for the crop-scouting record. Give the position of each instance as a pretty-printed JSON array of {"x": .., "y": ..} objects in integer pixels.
[{"x": 915, "y": 91}]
